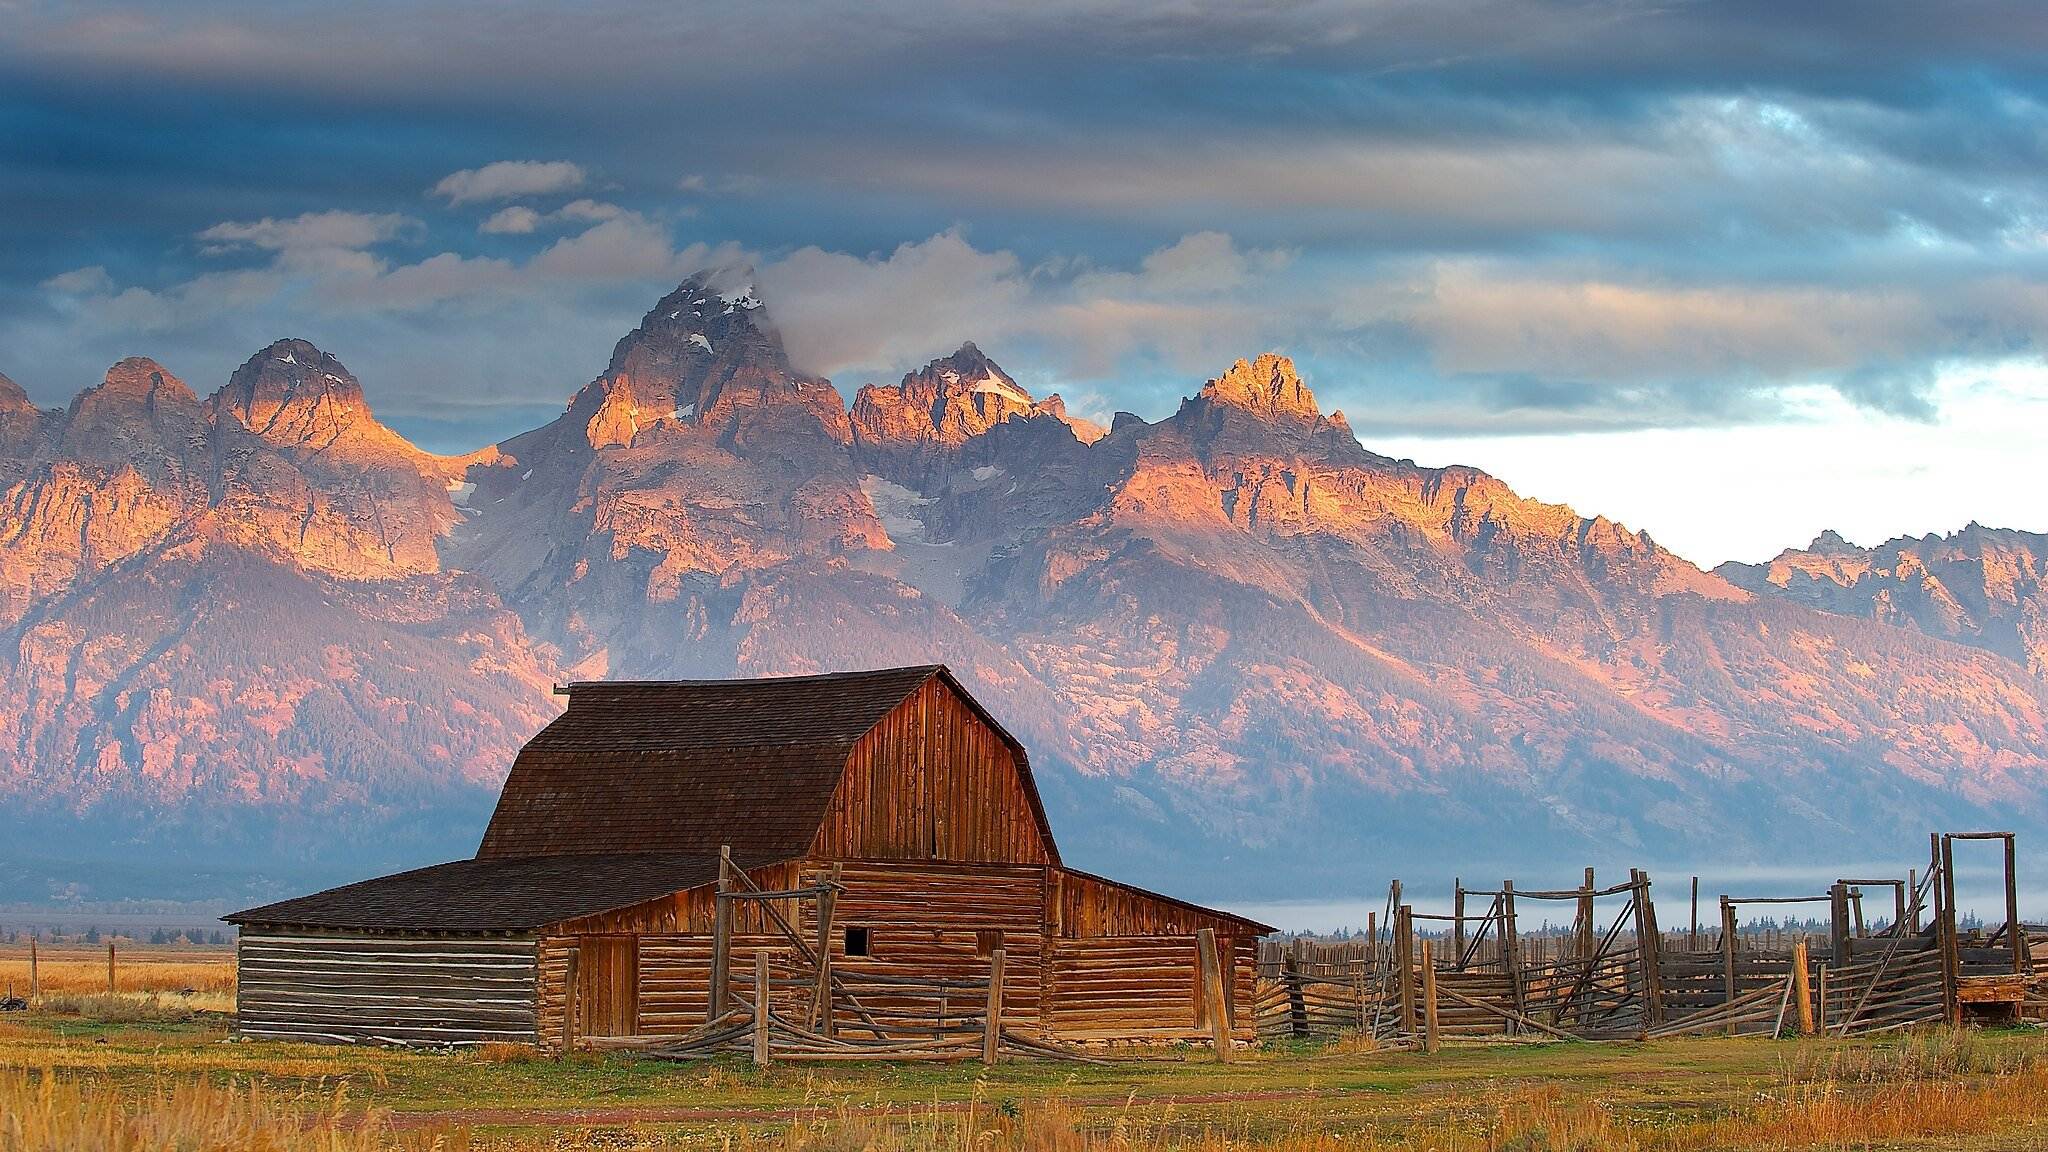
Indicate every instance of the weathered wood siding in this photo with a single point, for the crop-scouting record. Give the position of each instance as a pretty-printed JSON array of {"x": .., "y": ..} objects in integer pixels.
[
  {"x": 939, "y": 921},
  {"x": 1087, "y": 906},
  {"x": 689, "y": 912},
  {"x": 1143, "y": 987},
  {"x": 383, "y": 990},
  {"x": 674, "y": 981},
  {"x": 933, "y": 781}
]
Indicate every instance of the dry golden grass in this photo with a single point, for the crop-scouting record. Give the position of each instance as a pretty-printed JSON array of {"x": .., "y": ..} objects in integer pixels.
[
  {"x": 1939, "y": 1090},
  {"x": 137, "y": 969},
  {"x": 46, "y": 1112}
]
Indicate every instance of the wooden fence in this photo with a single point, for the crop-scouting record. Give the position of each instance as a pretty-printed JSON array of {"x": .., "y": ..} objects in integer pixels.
[{"x": 1425, "y": 979}]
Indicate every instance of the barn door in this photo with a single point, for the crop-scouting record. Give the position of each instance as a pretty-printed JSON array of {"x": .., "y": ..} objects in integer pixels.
[{"x": 608, "y": 985}]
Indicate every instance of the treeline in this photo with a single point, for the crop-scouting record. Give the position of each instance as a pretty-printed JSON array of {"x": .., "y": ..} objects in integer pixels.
[{"x": 160, "y": 937}]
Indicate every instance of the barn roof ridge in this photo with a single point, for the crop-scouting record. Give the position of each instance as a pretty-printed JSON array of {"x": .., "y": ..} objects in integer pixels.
[{"x": 698, "y": 682}]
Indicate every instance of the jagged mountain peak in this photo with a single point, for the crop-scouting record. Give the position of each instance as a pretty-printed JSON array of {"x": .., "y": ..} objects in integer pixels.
[
  {"x": 13, "y": 397},
  {"x": 286, "y": 371},
  {"x": 1268, "y": 386},
  {"x": 140, "y": 378},
  {"x": 295, "y": 396}
]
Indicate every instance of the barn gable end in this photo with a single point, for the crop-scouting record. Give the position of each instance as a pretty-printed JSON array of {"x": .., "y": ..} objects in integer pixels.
[{"x": 936, "y": 779}]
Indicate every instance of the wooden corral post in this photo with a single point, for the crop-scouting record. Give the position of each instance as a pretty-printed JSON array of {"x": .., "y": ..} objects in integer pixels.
[
  {"x": 1297, "y": 999},
  {"x": 1728, "y": 980},
  {"x": 1649, "y": 949},
  {"x": 1211, "y": 964},
  {"x": 1899, "y": 909},
  {"x": 760, "y": 1007},
  {"x": 721, "y": 937},
  {"x": 1458, "y": 923},
  {"x": 35, "y": 974},
  {"x": 1404, "y": 956},
  {"x": 992, "y": 1021},
  {"x": 2015, "y": 933},
  {"x": 1585, "y": 925},
  {"x": 1693, "y": 945},
  {"x": 110, "y": 967},
  {"x": 1838, "y": 926},
  {"x": 1913, "y": 882},
  {"x": 1802, "y": 986},
  {"x": 569, "y": 999},
  {"x": 821, "y": 996},
  {"x": 1856, "y": 912},
  {"x": 1951, "y": 957},
  {"x": 1429, "y": 1034},
  {"x": 1823, "y": 998},
  {"x": 1511, "y": 946}
]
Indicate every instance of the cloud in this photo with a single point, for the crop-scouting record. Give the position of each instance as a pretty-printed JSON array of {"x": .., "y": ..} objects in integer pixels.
[
  {"x": 509, "y": 179},
  {"x": 88, "y": 281},
  {"x": 514, "y": 221},
  {"x": 313, "y": 230},
  {"x": 876, "y": 315},
  {"x": 520, "y": 220}
]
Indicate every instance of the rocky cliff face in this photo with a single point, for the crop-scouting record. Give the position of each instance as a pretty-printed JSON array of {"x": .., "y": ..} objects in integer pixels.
[
  {"x": 226, "y": 628},
  {"x": 1224, "y": 635},
  {"x": 913, "y": 433},
  {"x": 1985, "y": 587}
]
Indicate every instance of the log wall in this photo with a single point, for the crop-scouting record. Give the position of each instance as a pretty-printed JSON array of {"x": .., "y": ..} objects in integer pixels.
[{"x": 340, "y": 989}]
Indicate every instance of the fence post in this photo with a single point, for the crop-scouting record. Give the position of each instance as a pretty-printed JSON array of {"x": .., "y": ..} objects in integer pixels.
[
  {"x": 1210, "y": 964},
  {"x": 1951, "y": 954},
  {"x": 721, "y": 938},
  {"x": 1802, "y": 987},
  {"x": 1404, "y": 955},
  {"x": 1838, "y": 925},
  {"x": 1693, "y": 943},
  {"x": 1458, "y": 923},
  {"x": 35, "y": 980},
  {"x": 760, "y": 1006},
  {"x": 992, "y": 1023},
  {"x": 569, "y": 999},
  {"x": 1728, "y": 979},
  {"x": 1429, "y": 1034},
  {"x": 1649, "y": 950},
  {"x": 1511, "y": 946},
  {"x": 1297, "y": 1002},
  {"x": 110, "y": 966},
  {"x": 2015, "y": 932}
]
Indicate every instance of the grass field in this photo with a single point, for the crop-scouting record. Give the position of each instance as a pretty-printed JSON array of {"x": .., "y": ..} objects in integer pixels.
[{"x": 94, "y": 1072}]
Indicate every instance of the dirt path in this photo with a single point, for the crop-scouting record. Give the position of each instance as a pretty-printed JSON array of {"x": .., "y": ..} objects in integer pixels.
[{"x": 630, "y": 1114}]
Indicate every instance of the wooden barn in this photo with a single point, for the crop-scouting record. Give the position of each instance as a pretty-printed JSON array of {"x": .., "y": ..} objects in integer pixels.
[{"x": 872, "y": 840}]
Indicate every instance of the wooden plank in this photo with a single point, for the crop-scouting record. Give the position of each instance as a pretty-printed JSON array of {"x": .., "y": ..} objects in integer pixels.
[
  {"x": 1210, "y": 965},
  {"x": 1430, "y": 1040},
  {"x": 992, "y": 1015}
]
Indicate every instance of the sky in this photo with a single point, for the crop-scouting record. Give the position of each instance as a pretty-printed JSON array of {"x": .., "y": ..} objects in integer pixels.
[{"x": 1730, "y": 272}]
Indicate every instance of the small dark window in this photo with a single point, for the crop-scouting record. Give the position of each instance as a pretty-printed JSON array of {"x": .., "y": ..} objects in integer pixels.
[
  {"x": 856, "y": 941},
  {"x": 987, "y": 940}
]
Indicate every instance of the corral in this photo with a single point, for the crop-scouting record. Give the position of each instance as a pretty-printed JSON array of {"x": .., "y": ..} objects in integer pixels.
[
  {"x": 827, "y": 867},
  {"x": 1474, "y": 974}
]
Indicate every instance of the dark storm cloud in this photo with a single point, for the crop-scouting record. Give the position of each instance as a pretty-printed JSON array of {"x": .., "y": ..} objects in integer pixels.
[{"x": 1515, "y": 215}]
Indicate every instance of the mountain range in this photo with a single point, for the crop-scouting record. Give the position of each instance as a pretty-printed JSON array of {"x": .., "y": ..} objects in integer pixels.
[{"x": 259, "y": 637}]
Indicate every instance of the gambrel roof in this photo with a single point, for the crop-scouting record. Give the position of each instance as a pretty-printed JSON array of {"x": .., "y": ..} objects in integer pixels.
[{"x": 689, "y": 765}]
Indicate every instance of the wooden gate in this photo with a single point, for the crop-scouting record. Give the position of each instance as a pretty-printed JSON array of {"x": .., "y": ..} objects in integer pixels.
[{"x": 608, "y": 985}]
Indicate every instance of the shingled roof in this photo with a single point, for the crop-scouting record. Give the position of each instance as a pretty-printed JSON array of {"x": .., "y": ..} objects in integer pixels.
[
  {"x": 689, "y": 765},
  {"x": 511, "y": 894}
]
